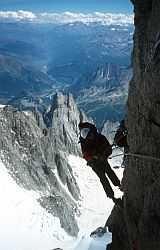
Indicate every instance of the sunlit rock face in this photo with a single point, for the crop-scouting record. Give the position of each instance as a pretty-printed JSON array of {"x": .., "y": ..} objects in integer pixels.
[
  {"x": 141, "y": 181},
  {"x": 36, "y": 155}
]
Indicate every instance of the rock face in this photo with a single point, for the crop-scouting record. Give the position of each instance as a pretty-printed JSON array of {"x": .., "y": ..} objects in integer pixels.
[
  {"x": 64, "y": 108},
  {"x": 36, "y": 155},
  {"x": 141, "y": 181}
]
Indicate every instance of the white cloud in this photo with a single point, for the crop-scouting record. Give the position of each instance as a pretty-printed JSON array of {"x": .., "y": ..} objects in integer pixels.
[
  {"x": 68, "y": 17},
  {"x": 19, "y": 15},
  {"x": 105, "y": 18}
]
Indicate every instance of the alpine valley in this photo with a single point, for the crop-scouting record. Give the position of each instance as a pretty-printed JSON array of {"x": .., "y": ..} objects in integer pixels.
[{"x": 91, "y": 60}]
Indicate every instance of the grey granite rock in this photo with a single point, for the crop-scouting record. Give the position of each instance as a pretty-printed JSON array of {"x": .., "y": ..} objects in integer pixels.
[
  {"x": 36, "y": 155},
  {"x": 141, "y": 181}
]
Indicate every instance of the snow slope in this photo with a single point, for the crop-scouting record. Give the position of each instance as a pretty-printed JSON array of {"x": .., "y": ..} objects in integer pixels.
[{"x": 25, "y": 225}]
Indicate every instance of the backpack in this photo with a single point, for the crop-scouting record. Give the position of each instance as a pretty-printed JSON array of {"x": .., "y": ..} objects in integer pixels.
[
  {"x": 120, "y": 137},
  {"x": 99, "y": 145}
]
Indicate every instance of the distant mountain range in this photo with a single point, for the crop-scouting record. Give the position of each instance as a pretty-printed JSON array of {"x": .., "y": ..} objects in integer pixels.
[
  {"x": 15, "y": 77},
  {"x": 70, "y": 50},
  {"x": 38, "y": 59},
  {"x": 26, "y": 51},
  {"x": 102, "y": 93},
  {"x": 80, "y": 48}
]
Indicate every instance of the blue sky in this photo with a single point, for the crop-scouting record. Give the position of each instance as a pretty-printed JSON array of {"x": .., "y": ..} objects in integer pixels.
[{"x": 83, "y": 6}]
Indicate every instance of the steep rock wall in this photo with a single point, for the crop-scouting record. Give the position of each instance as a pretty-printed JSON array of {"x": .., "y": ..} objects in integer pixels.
[
  {"x": 141, "y": 181},
  {"x": 36, "y": 155}
]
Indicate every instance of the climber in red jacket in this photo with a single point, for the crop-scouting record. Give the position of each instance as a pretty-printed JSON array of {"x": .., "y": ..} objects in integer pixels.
[{"x": 95, "y": 150}]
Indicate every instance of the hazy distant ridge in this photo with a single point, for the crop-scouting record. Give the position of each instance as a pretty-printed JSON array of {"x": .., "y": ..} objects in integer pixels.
[{"x": 67, "y": 17}]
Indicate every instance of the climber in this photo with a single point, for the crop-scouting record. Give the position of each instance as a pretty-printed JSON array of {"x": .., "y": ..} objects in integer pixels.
[
  {"x": 95, "y": 150},
  {"x": 120, "y": 137}
]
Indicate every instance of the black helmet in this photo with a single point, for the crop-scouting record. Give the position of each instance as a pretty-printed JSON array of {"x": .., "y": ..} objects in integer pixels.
[{"x": 89, "y": 125}]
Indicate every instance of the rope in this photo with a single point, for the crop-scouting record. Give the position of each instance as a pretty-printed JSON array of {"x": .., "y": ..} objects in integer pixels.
[
  {"x": 114, "y": 156},
  {"x": 143, "y": 156}
]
